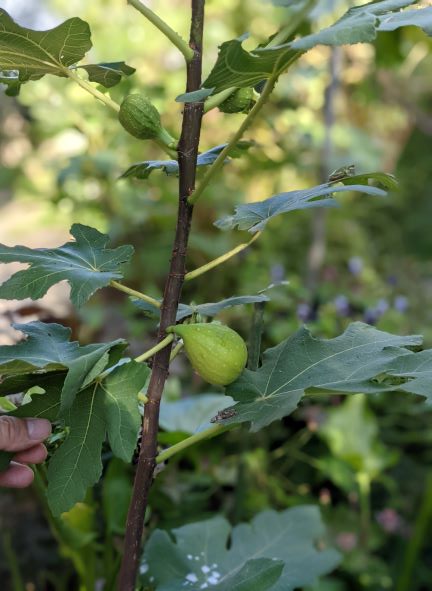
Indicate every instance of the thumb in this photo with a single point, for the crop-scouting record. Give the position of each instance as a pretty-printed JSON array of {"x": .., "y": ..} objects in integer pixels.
[{"x": 19, "y": 434}]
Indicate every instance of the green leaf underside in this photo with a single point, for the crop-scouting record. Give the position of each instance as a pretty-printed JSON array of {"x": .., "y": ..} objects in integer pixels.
[
  {"x": 86, "y": 264},
  {"x": 43, "y": 406},
  {"x": 77, "y": 464},
  {"x": 142, "y": 170},
  {"x": 107, "y": 74},
  {"x": 109, "y": 407},
  {"x": 236, "y": 67},
  {"x": 347, "y": 363},
  {"x": 417, "y": 368},
  {"x": 47, "y": 347},
  {"x": 199, "y": 554},
  {"x": 36, "y": 53},
  {"x": 192, "y": 414},
  {"x": 255, "y": 216},
  {"x": 209, "y": 310}
]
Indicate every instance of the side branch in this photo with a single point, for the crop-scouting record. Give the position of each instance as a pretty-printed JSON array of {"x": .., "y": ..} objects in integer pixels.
[{"x": 187, "y": 156}]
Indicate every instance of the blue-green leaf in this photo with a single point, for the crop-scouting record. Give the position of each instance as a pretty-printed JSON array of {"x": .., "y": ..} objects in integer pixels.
[
  {"x": 209, "y": 310},
  {"x": 192, "y": 414},
  {"x": 142, "y": 170},
  {"x": 255, "y": 216},
  {"x": 199, "y": 555}
]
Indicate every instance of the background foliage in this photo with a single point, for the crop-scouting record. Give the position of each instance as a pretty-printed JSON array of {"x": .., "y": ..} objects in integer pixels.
[{"x": 62, "y": 155}]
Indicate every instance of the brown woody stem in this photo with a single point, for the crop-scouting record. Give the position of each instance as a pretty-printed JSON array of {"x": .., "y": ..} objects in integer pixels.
[{"x": 187, "y": 156}]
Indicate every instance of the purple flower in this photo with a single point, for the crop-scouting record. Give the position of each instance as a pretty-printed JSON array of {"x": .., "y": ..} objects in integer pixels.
[
  {"x": 304, "y": 311},
  {"x": 342, "y": 305},
  {"x": 389, "y": 520},
  {"x": 370, "y": 316},
  {"x": 346, "y": 541},
  {"x": 382, "y": 307},
  {"x": 355, "y": 265},
  {"x": 401, "y": 303}
]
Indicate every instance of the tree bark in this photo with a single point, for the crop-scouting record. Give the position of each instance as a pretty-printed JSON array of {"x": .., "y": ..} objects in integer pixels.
[{"x": 187, "y": 157}]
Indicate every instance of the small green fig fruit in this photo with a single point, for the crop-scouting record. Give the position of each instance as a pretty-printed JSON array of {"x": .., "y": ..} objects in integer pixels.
[
  {"x": 142, "y": 120},
  {"x": 217, "y": 353},
  {"x": 241, "y": 101}
]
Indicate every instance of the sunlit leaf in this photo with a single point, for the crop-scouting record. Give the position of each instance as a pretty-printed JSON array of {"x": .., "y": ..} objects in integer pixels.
[
  {"x": 86, "y": 263},
  {"x": 346, "y": 363},
  {"x": 352, "y": 433},
  {"x": 36, "y": 53},
  {"x": 199, "y": 555},
  {"x": 26, "y": 54}
]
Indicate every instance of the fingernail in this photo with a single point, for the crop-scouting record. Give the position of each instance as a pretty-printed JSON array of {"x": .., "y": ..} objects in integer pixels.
[{"x": 38, "y": 429}]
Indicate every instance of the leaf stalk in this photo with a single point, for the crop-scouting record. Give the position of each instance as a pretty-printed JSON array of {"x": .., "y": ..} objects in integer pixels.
[
  {"x": 220, "y": 260},
  {"x": 212, "y": 431},
  {"x": 161, "y": 345},
  {"x": 136, "y": 294},
  {"x": 93, "y": 91}
]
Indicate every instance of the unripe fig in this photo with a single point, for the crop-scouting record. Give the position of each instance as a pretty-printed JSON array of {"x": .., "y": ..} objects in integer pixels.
[
  {"x": 142, "y": 120},
  {"x": 241, "y": 101},
  {"x": 217, "y": 353}
]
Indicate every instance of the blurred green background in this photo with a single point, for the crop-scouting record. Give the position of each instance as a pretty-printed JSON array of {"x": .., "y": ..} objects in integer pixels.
[{"x": 365, "y": 461}]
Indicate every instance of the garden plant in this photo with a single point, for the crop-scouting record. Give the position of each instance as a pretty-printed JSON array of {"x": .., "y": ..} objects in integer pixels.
[{"x": 105, "y": 404}]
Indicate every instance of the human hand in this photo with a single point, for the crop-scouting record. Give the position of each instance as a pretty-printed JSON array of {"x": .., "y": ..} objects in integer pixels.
[{"x": 23, "y": 436}]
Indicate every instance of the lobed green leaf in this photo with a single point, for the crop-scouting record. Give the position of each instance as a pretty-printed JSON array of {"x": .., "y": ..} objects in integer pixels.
[
  {"x": 26, "y": 54},
  {"x": 86, "y": 264},
  {"x": 47, "y": 347},
  {"x": 347, "y": 363},
  {"x": 105, "y": 407},
  {"x": 255, "y": 216},
  {"x": 199, "y": 555}
]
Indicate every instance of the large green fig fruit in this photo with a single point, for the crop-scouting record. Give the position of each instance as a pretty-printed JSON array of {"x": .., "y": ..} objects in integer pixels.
[
  {"x": 142, "y": 120},
  {"x": 217, "y": 353}
]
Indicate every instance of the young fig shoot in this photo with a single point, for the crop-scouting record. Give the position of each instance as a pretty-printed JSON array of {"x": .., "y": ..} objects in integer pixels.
[{"x": 216, "y": 352}]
